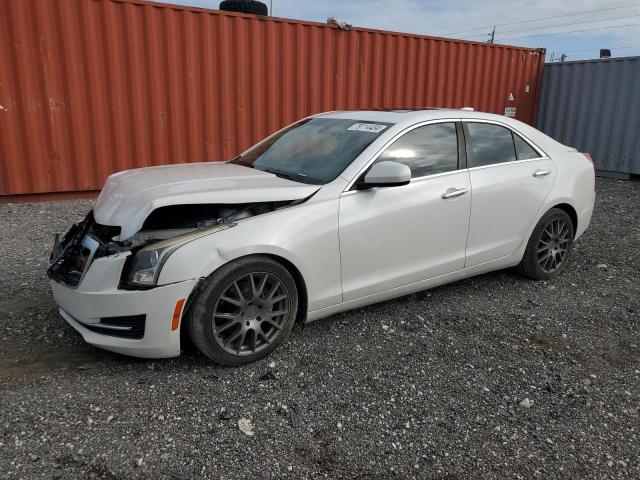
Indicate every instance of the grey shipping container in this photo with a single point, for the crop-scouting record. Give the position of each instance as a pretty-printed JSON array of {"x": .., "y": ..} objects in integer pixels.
[{"x": 594, "y": 106}]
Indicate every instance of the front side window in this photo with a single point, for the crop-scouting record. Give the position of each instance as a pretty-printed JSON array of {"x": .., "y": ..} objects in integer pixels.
[
  {"x": 490, "y": 144},
  {"x": 314, "y": 150},
  {"x": 426, "y": 150}
]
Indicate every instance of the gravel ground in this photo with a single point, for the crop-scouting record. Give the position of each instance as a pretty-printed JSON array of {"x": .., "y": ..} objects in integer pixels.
[{"x": 492, "y": 377}]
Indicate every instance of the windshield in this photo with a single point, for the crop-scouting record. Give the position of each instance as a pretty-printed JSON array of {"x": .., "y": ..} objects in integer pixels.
[{"x": 314, "y": 150}]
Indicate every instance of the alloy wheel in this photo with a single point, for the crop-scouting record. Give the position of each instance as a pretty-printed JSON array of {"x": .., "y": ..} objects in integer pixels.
[
  {"x": 553, "y": 245},
  {"x": 251, "y": 313}
]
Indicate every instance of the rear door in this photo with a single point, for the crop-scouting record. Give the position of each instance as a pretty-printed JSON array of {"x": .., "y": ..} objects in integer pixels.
[{"x": 510, "y": 179}]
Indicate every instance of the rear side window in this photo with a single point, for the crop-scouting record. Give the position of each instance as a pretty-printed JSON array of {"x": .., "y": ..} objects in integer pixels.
[
  {"x": 426, "y": 150},
  {"x": 523, "y": 149},
  {"x": 490, "y": 144}
]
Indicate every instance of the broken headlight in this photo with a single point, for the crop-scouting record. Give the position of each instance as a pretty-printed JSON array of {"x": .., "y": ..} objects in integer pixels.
[{"x": 145, "y": 265}]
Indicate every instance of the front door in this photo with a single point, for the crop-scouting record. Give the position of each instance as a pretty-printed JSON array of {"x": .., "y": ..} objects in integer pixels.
[{"x": 394, "y": 236}]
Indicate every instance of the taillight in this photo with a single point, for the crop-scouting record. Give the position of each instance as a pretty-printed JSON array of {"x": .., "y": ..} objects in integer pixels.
[{"x": 588, "y": 157}]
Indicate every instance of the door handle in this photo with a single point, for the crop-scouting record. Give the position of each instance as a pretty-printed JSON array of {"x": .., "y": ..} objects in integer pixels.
[
  {"x": 454, "y": 192},
  {"x": 541, "y": 173}
]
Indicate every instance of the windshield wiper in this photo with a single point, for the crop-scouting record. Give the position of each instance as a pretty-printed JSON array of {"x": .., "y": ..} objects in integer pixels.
[
  {"x": 295, "y": 177},
  {"x": 236, "y": 160}
]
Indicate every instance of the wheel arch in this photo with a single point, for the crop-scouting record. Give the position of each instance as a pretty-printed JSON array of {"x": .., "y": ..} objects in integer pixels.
[
  {"x": 571, "y": 211},
  {"x": 294, "y": 271},
  {"x": 563, "y": 204},
  {"x": 301, "y": 285}
]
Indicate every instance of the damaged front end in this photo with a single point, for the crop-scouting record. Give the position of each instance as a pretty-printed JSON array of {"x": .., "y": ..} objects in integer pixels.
[
  {"x": 71, "y": 256},
  {"x": 164, "y": 230}
]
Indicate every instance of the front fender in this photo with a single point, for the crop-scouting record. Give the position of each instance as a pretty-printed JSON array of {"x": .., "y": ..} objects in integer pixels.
[
  {"x": 304, "y": 235},
  {"x": 211, "y": 257}
]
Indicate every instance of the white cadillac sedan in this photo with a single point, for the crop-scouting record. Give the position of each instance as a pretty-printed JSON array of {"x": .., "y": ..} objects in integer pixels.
[{"x": 333, "y": 212}]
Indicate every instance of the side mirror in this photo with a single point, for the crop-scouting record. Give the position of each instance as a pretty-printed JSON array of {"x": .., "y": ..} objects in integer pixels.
[{"x": 387, "y": 174}]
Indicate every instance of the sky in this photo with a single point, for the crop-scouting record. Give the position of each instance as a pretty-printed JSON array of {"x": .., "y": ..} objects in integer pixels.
[{"x": 605, "y": 24}]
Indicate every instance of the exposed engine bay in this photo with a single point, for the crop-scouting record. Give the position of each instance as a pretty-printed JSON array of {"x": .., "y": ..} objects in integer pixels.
[
  {"x": 88, "y": 240},
  {"x": 171, "y": 221}
]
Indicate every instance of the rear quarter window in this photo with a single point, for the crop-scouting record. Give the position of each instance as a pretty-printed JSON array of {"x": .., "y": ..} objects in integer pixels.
[{"x": 523, "y": 149}]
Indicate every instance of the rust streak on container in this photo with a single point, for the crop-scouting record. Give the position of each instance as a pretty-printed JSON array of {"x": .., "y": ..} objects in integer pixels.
[{"x": 91, "y": 87}]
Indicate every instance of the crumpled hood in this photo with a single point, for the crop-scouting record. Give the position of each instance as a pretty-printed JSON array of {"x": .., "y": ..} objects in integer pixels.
[{"x": 129, "y": 197}]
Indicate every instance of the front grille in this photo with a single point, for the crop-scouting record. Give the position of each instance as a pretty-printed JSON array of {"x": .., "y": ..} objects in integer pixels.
[
  {"x": 69, "y": 256},
  {"x": 75, "y": 265},
  {"x": 130, "y": 326},
  {"x": 72, "y": 256}
]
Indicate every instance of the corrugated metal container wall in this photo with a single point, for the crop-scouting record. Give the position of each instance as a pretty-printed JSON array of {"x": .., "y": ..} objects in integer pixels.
[
  {"x": 95, "y": 86},
  {"x": 594, "y": 106}
]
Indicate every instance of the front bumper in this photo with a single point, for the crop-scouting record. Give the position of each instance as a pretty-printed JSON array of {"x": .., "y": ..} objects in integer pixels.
[{"x": 85, "y": 306}]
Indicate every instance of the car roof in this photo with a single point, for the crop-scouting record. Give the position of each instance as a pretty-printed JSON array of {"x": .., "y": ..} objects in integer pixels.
[
  {"x": 405, "y": 118},
  {"x": 409, "y": 115}
]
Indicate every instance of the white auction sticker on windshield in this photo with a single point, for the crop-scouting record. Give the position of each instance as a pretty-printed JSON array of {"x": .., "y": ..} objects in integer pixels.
[{"x": 367, "y": 127}]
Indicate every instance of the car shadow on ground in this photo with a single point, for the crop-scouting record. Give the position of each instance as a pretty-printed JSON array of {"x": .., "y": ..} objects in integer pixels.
[{"x": 77, "y": 355}]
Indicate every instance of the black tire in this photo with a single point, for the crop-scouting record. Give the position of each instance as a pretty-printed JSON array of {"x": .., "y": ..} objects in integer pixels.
[
  {"x": 244, "y": 6},
  {"x": 549, "y": 246},
  {"x": 251, "y": 317}
]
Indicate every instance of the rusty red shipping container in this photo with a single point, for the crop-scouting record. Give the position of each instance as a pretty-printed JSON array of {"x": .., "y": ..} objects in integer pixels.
[{"x": 90, "y": 87}]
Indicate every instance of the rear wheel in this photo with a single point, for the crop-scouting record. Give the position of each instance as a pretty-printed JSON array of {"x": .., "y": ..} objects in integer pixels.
[
  {"x": 549, "y": 247},
  {"x": 245, "y": 311}
]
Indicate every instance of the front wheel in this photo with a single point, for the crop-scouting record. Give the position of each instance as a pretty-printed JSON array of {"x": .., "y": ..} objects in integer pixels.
[
  {"x": 245, "y": 311},
  {"x": 549, "y": 247}
]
